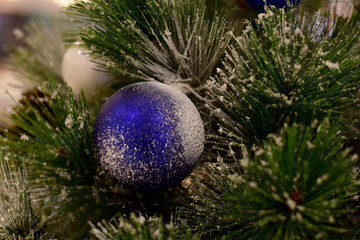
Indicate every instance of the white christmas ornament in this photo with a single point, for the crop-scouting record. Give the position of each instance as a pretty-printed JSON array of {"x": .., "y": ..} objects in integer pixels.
[{"x": 78, "y": 71}]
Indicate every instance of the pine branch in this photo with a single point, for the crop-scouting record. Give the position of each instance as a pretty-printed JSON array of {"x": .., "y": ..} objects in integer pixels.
[
  {"x": 141, "y": 227},
  {"x": 6, "y": 235},
  {"x": 294, "y": 186},
  {"x": 17, "y": 217},
  {"x": 154, "y": 40},
  {"x": 285, "y": 68},
  {"x": 54, "y": 135},
  {"x": 56, "y": 125}
]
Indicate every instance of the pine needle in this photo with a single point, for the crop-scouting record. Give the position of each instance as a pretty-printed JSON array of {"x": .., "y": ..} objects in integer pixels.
[
  {"x": 154, "y": 40},
  {"x": 294, "y": 186},
  {"x": 17, "y": 217},
  {"x": 285, "y": 68},
  {"x": 143, "y": 228}
]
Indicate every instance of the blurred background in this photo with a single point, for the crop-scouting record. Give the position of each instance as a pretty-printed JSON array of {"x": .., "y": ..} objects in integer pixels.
[{"x": 14, "y": 15}]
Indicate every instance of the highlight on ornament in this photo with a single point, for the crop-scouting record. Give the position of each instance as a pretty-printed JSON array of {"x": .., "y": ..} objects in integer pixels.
[{"x": 148, "y": 136}]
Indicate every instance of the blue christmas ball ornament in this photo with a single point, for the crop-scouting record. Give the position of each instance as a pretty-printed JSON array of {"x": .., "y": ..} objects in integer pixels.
[
  {"x": 258, "y": 5},
  {"x": 148, "y": 136}
]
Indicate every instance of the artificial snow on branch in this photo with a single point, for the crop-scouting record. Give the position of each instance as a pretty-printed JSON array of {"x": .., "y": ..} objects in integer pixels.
[
  {"x": 17, "y": 217},
  {"x": 285, "y": 68},
  {"x": 153, "y": 228},
  {"x": 295, "y": 185},
  {"x": 154, "y": 40}
]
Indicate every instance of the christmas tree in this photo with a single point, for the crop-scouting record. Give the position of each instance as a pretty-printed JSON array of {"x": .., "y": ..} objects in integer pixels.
[{"x": 186, "y": 119}]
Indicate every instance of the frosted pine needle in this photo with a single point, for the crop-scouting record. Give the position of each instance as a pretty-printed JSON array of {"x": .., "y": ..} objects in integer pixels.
[
  {"x": 17, "y": 218},
  {"x": 153, "y": 228},
  {"x": 286, "y": 191},
  {"x": 275, "y": 73},
  {"x": 157, "y": 40}
]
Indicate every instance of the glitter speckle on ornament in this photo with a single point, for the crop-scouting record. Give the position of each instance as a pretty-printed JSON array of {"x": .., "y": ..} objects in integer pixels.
[
  {"x": 258, "y": 5},
  {"x": 148, "y": 136}
]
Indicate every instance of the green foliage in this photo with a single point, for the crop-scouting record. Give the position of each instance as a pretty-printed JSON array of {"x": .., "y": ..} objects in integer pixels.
[
  {"x": 53, "y": 135},
  {"x": 149, "y": 40},
  {"x": 285, "y": 68},
  {"x": 15, "y": 207},
  {"x": 56, "y": 129},
  {"x": 153, "y": 228},
  {"x": 293, "y": 186},
  {"x": 6, "y": 235},
  {"x": 17, "y": 218}
]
